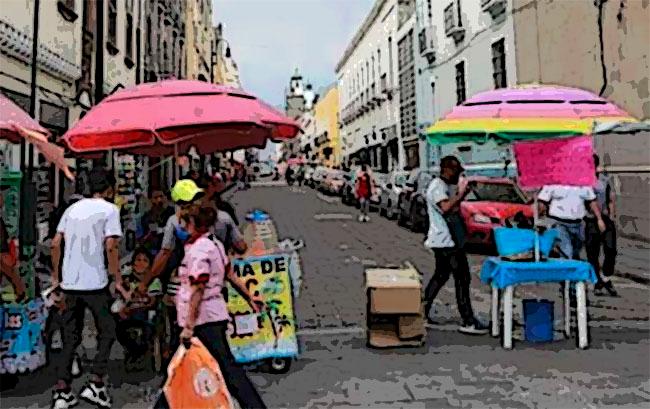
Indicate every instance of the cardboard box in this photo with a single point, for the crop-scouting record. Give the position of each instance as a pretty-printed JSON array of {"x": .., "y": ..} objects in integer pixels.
[
  {"x": 395, "y": 300},
  {"x": 410, "y": 326},
  {"x": 394, "y": 291},
  {"x": 387, "y": 337}
]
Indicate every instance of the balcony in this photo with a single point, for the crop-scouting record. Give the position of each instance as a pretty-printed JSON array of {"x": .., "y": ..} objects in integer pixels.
[
  {"x": 427, "y": 44},
  {"x": 453, "y": 22},
  {"x": 494, "y": 7}
]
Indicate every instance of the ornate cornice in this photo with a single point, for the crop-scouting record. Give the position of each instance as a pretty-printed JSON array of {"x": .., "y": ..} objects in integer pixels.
[{"x": 17, "y": 44}]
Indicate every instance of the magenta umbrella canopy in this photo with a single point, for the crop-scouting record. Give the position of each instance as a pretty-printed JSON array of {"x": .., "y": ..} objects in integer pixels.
[
  {"x": 158, "y": 118},
  {"x": 11, "y": 114},
  {"x": 537, "y": 102}
]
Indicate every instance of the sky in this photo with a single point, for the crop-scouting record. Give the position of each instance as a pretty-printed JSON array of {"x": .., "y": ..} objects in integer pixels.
[{"x": 270, "y": 38}]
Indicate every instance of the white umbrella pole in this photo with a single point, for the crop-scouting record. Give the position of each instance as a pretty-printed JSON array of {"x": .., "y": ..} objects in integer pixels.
[{"x": 535, "y": 228}]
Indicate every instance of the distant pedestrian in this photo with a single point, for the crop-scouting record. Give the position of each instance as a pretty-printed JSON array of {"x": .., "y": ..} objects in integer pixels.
[
  {"x": 595, "y": 239},
  {"x": 446, "y": 237},
  {"x": 154, "y": 220},
  {"x": 363, "y": 191},
  {"x": 89, "y": 227}
]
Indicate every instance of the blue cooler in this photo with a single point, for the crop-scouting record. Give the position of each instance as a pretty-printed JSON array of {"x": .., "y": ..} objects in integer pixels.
[
  {"x": 513, "y": 240},
  {"x": 538, "y": 320}
]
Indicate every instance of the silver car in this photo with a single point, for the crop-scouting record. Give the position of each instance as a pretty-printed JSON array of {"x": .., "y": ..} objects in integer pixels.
[{"x": 390, "y": 192}]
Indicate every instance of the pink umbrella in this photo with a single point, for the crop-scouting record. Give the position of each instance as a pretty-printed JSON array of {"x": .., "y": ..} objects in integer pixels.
[
  {"x": 52, "y": 153},
  {"x": 10, "y": 115},
  {"x": 171, "y": 116},
  {"x": 537, "y": 102}
]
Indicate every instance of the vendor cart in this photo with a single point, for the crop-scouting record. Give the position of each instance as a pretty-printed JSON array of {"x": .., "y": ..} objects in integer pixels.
[{"x": 272, "y": 271}]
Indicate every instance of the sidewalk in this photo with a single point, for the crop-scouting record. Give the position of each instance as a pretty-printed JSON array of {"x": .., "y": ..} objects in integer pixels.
[{"x": 633, "y": 261}]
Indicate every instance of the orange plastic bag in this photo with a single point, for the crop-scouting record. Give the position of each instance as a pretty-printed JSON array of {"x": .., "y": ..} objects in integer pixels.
[{"x": 194, "y": 380}]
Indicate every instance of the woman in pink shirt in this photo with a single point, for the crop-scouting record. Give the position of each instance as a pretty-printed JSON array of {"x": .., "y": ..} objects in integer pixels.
[{"x": 200, "y": 305}]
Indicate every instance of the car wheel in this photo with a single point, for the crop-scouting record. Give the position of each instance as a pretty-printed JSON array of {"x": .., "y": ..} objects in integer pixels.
[{"x": 279, "y": 365}]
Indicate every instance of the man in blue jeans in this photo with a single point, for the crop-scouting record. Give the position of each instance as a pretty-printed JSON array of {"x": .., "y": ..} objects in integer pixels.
[{"x": 566, "y": 206}]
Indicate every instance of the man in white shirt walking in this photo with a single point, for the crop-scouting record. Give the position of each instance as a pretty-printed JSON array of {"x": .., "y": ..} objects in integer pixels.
[
  {"x": 446, "y": 238},
  {"x": 89, "y": 227}
]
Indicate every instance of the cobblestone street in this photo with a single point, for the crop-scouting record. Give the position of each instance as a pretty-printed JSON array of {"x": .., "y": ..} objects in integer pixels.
[{"x": 337, "y": 369}]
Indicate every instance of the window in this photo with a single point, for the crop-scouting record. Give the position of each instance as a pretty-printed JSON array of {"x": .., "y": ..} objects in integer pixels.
[
  {"x": 461, "y": 94},
  {"x": 422, "y": 38},
  {"x": 449, "y": 17},
  {"x": 112, "y": 27},
  {"x": 128, "y": 43},
  {"x": 66, "y": 8},
  {"x": 499, "y": 64}
]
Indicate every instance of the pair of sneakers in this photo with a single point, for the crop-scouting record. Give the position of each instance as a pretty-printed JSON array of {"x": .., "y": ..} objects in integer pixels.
[
  {"x": 92, "y": 392},
  {"x": 363, "y": 219}
]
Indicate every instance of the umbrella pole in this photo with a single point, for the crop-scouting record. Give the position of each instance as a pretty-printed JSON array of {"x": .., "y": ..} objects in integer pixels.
[
  {"x": 177, "y": 170},
  {"x": 535, "y": 228}
]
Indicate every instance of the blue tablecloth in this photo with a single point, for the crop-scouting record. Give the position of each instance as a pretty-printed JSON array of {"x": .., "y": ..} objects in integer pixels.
[{"x": 500, "y": 273}]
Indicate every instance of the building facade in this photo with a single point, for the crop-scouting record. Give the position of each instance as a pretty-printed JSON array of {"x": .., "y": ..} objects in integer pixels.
[
  {"x": 164, "y": 39},
  {"x": 407, "y": 95},
  {"x": 367, "y": 76},
  {"x": 198, "y": 34},
  {"x": 618, "y": 70},
  {"x": 224, "y": 67},
  {"x": 326, "y": 116},
  {"x": 466, "y": 47}
]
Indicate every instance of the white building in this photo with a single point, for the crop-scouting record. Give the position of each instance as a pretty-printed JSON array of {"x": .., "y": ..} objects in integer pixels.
[
  {"x": 464, "y": 47},
  {"x": 367, "y": 81}
]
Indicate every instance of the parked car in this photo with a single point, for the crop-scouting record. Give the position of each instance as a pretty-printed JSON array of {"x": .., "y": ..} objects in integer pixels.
[
  {"x": 309, "y": 172},
  {"x": 492, "y": 202},
  {"x": 412, "y": 202},
  {"x": 390, "y": 192},
  {"x": 317, "y": 177},
  {"x": 333, "y": 182},
  {"x": 380, "y": 180}
]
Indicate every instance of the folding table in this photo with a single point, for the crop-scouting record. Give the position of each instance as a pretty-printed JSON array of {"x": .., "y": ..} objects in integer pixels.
[{"x": 501, "y": 274}]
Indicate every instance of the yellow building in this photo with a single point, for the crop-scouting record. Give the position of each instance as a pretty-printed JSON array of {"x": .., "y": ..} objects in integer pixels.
[{"x": 326, "y": 114}]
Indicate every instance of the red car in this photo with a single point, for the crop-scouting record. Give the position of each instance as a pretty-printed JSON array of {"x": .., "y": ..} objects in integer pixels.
[{"x": 493, "y": 202}]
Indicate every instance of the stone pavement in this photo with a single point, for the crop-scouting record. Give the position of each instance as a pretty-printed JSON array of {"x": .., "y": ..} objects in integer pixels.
[{"x": 336, "y": 369}]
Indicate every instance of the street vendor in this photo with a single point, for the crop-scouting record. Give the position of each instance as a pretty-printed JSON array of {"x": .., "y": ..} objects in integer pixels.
[
  {"x": 566, "y": 206},
  {"x": 9, "y": 260}
]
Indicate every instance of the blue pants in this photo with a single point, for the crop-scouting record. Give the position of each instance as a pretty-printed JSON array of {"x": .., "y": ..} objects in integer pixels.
[{"x": 570, "y": 239}]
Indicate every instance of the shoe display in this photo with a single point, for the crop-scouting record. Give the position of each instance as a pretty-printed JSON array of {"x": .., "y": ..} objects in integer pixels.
[
  {"x": 63, "y": 399},
  {"x": 96, "y": 394}
]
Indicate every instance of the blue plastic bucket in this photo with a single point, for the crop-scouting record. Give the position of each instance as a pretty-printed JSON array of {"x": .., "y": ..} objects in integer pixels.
[{"x": 538, "y": 320}]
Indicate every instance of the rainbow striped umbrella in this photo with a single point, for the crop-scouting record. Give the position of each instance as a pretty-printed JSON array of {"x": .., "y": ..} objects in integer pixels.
[{"x": 525, "y": 113}]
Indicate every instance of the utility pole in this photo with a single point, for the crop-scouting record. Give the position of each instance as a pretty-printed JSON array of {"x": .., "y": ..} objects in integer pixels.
[{"x": 99, "y": 52}]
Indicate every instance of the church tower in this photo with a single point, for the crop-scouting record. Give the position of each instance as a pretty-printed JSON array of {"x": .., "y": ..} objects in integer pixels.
[{"x": 294, "y": 98}]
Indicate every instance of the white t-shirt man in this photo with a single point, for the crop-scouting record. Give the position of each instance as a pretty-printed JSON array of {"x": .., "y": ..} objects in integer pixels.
[
  {"x": 439, "y": 235},
  {"x": 85, "y": 227},
  {"x": 566, "y": 202}
]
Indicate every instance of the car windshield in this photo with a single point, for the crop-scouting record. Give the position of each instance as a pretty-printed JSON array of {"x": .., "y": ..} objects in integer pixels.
[{"x": 495, "y": 192}]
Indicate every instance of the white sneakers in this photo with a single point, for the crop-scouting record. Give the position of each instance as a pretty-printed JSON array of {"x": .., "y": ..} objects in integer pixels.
[
  {"x": 363, "y": 219},
  {"x": 92, "y": 393},
  {"x": 96, "y": 394},
  {"x": 63, "y": 400}
]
